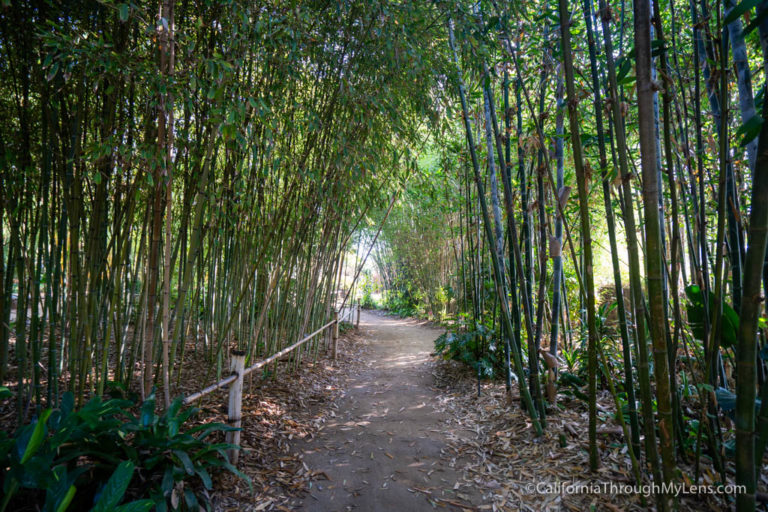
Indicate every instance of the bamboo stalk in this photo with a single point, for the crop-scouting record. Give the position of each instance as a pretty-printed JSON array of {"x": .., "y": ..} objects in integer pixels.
[{"x": 654, "y": 257}]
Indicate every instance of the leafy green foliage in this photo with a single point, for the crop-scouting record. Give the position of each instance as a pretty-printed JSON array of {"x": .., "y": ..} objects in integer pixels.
[
  {"x": 115, "y": 488},
  {"x": 696, "y": 317},
  {"x": 168, "y": 456},
  {"x": 48, "y": 454},
  {"x": 741, "y": 8},
  {"x": 726, "y": 400},
  {"x": 602, "y": 319},
  {"x": 473, "y": 348},
  {"x": 89, "y": 458},
  {"x": 750, "y": 130},
  {"x": 367, "y": 287},
  {"x": 345, "y": 326},
  {"x": 401, "y": 302},
  {"x": 572, "y": 384},
  {"x": 367, "y": 301}
]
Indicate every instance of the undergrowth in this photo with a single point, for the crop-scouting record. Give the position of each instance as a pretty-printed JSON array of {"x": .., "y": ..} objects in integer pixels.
[{"x": 111, "y": 455}]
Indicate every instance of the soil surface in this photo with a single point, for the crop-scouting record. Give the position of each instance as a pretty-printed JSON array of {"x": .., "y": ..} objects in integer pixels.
[{"x": 385, "y": 449}]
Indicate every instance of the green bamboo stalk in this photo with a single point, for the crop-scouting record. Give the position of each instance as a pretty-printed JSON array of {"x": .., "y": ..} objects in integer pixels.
[
  {"x": 611, "y": 224},
  {"x": 748, "y": 455},
  {"x": 654, "y": 258},
  {"x": 489, "y": 236},
  {"x": 586, "y": 229},
  {"x": 638, "y": 302}
]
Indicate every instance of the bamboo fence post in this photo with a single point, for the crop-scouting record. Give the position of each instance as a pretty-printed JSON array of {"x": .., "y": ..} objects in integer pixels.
[
  {"x": 357, "y": 323},
  {"x": 335, "y": 333},
  {"x": 236, "y": 365}
]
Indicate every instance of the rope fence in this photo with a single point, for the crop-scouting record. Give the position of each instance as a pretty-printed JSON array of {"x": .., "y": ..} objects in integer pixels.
[{"x": 238, "y": 372}]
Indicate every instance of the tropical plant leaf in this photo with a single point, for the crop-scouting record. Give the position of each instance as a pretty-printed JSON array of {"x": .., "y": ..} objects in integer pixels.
[
  {"x": 115, "y": 488},
  {"x": 696, "y": 317},
  {"x": 37, "y": 438},
  {"x": 136, "y": 506}
]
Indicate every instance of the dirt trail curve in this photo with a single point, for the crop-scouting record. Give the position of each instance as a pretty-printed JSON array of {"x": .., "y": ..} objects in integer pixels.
[{"x": 384, "y": 450}]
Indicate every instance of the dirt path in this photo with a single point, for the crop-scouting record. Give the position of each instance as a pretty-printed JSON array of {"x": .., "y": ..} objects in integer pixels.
[{"x": 384, "y": 450}]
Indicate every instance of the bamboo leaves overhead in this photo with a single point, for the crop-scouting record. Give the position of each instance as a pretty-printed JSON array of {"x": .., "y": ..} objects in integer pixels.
[
  {"x": 175, "y": 172},
  {"x": 184, "y": 178},
  {"x": 664, "y": 170}
]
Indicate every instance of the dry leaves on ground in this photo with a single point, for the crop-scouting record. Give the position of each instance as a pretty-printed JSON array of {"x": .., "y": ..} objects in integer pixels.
[
  {"x": 494, "y": 440},
  {"x": 275, "y": 412}
]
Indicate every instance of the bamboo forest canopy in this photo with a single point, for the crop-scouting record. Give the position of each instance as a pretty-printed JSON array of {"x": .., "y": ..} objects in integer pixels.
[
  {"x": 199, "y": 170},
  {"x": 577, "y": 190}
]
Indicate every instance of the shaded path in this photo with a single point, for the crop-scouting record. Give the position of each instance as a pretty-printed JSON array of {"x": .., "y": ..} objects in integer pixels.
[{"x": 384, "y": 450}]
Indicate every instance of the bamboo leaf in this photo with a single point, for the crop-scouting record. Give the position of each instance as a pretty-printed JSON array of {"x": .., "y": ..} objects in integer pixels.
[{"x": 741, "y": 8}]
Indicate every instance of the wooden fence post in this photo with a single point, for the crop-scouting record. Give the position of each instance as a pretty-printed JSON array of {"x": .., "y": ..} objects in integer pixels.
[
  {"x": 236, "y": 366},
  {"x": 335, "y": 333},
  {"x": 357, "y": 324}
]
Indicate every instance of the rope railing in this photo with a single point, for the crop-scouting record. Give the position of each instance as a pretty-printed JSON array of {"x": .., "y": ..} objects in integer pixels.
[
  {"x": 213, "y": 387},
  {"x": 239, "y": 371},
  {"x": 286, "y": 350}
]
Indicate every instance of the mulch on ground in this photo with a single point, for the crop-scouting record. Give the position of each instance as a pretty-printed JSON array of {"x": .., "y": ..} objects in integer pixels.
[
  {"x": 507, "y": 460},
  {"x": 275, "y": 413}
]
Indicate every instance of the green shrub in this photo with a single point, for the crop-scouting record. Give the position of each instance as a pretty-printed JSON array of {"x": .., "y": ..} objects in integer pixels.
[
  {"x": 367, "y": 301},
  {"x": 368, "y": 287},
  {"x": 172, "y": 458},
  {"x": 400, "y": 303},
  {"x": 475, "y": 349},
  {"x": 101, "y": 455}
]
